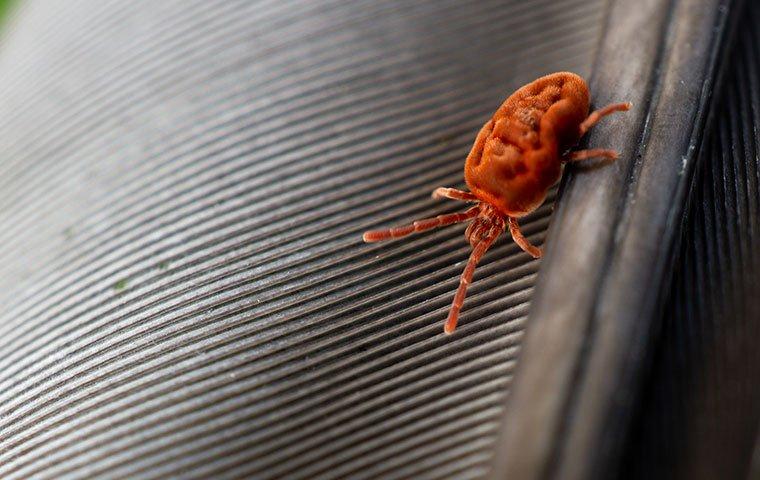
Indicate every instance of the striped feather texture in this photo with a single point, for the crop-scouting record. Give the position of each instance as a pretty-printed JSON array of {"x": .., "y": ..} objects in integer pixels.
[
  {"x": 700, "y": 418},
  {"x": 183, "y": 186}
]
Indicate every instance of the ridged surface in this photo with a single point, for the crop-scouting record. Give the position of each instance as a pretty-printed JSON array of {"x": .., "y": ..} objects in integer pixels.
[
  {"x": 183, "y": 186},
  {"x": 701, "y": 412}
]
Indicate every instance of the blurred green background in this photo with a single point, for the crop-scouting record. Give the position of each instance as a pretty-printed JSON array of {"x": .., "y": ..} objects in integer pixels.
[{"x": 4, "y": 5}]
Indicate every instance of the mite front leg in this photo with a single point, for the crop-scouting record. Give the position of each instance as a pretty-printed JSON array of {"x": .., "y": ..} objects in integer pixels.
[
  {"x": 420, "y": 225},
  {"x": 477, "y": 253},
  {"x": 590, "y": 153},
  {"x": 517, "y": 236},
  {"x": 454, "y": 194},
  {"x": 597, "y": 115}
]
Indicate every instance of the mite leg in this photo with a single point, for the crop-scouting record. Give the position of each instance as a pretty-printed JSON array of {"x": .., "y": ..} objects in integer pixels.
[
  {"x": 421, "y": 225},
  {"x": 591, "y": 153},
  {"x": 466, "y": 278},
  {"x": 454, "y": 194},
  {"x": 597, "y": 115},
  {"x": 520, "y": 240}
]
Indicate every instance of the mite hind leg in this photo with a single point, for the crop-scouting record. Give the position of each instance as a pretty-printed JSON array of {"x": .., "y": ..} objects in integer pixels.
[
  {"x": 590, "y": 153},
  {"x": 597, "y": 115}
]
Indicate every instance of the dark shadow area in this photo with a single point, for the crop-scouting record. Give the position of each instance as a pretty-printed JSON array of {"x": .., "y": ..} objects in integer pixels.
[{"x": 701, "y": 409}]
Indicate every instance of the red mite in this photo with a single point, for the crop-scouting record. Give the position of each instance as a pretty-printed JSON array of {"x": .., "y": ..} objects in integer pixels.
[{"x": 517, "y": 156}]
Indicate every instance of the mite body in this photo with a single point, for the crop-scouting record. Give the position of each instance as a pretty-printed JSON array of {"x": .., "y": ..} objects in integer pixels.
[{"x": 517, "y": 156}]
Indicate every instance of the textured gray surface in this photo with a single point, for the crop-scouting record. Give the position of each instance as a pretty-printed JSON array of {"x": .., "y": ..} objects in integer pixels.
[
  {"x": 597, "y": 310},
  {"x": 183, "y": 186},
  {"x": 701, "y": 412}
]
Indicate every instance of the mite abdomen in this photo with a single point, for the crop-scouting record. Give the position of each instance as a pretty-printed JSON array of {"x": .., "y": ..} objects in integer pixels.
[
  {"x": 519, "y": 159},
  {"x": 555, "y": 104}
]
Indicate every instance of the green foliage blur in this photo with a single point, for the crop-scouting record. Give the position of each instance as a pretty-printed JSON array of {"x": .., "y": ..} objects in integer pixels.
[{"x": 4, "y": 7}]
